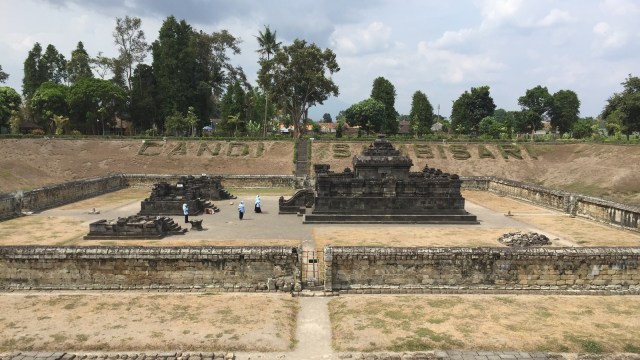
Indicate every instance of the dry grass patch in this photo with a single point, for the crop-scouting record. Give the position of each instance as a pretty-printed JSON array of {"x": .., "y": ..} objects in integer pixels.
[
  {"x": 407, "y": 236},
  {"x": 144, "y": 322},
  {"x": 41, "y": 230},
  {"x": 486, "y": 322},
  {"x": 579, "y": 231},
  {"x": 110, "y": 200}
]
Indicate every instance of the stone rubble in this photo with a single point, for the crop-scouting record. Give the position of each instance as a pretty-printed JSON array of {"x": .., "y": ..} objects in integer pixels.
[{"x": 519, "y": 239}]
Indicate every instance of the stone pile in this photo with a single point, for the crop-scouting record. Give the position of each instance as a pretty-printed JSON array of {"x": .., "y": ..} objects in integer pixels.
[{"x": 520, "y": 239}]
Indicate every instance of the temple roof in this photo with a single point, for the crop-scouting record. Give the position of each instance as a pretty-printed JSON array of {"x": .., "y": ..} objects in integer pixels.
[{"x": 382, "y": 152}]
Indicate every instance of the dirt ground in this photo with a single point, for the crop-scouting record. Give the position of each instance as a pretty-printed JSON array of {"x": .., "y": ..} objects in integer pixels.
[
  {"x": 486, "y": 323},
  {"x": 132, "y": 321}
]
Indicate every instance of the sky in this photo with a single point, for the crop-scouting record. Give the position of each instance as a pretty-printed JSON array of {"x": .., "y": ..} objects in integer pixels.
[{"x": 441, "y": 48}]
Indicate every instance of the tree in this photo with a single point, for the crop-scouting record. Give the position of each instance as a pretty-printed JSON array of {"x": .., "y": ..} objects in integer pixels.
[
  {"x": 94, "y": 102},
  {"x": 268, "y": 46},
  {"x": 132, "y": 46},
  {"x": 583, "y": 128},
  {"x": 384, "y": 91},
  {"x": 48, "y": 100},
  {"x": 535, "y": 104},
  {"x": 33, "y": 74},
  {"x": 421, "y": 115},
  {"x": 192, "y": 68},
  {"x": 102, "y": 65},
  {"x": 470, "y": 108},
  {"x": 490, "y": 127},
  {"x": 175, "y": 124},
  {"x": 622, "y": 110},
  {"x": 232, "y": 104},
  {"x": 79, "y": 66},
  {"x": 54, "y": 65},
  {"x": 369, "y": 114},
  {"x": 3, "y": 75},
  {"x": 327, "y": 118},
  {"x": 10, "y": 101},
  {"x": 564, "y": 110},
  {"x": 40, "y": 68},
  {"x": 191, "y": 120},
  {"x": 173, "y": 64},
  {"x": 143, "y": 106},
  {"x": 299, "y": 77}
]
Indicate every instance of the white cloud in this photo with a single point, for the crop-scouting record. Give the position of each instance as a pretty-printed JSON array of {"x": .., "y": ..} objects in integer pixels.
[
  {"x": 457, "y": 68},
  {"x": 621, "y": 7},
  {"x": 607, "y": 37},
  {"x": 496, "y": 12},
  {"x": 454, "y": 38},
  {"x": 556, "y": 17},
  {"x": 375, "y": 37}
]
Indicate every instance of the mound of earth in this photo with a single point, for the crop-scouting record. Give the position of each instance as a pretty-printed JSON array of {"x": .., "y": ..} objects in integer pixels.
[{"x": 608, "y": 171}]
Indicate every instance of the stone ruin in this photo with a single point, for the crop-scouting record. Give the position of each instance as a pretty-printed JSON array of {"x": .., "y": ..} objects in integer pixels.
[
  {"x": 381, "y": 189},
  {"x": 519, "y": 239},
  {"x": 134, "y": 227},
  {"x": 196, "y": 192},
  {"x": 298, "y": 203}
]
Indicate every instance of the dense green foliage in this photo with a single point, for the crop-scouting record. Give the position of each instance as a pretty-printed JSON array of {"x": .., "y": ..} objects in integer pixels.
[
  {"x": 622, "y": 112},
  {"x": 79, "y": 66},
  {"x": 421, "y": 115},
  {"x": 298, "y": 77},
  {"x": 384, "y": 91},
  {"x": 564, "y": 110},
  {"x": 369, "y": 114},
  {"x": 3, "y": 75},
  {"x": 470, "y": 108},
  {"x": 10, "y": 102}
]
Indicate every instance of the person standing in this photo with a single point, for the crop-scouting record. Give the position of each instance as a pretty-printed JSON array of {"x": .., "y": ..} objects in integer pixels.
[
  {"x": 241, "y": 210},
  {"x": 185, "y": 210},
  {"x": 257, "y": 208}
]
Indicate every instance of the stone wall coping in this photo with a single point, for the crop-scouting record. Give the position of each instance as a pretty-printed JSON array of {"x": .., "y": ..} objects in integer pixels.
[
  {"x": 128, "y": 251},
  {"x": 537, "y": 251}
]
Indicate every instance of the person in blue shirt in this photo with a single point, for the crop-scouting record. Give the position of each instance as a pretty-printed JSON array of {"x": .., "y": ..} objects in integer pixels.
[
  {"x": 241, "y": 210},
  {"x": 185, "y": 210}
]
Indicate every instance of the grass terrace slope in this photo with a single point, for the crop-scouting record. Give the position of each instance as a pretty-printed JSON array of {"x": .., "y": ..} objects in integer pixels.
[{"x": 607, "y": 171}]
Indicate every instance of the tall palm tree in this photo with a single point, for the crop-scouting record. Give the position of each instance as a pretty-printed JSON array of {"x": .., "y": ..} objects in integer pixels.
[{"x": 268, "y": 46}]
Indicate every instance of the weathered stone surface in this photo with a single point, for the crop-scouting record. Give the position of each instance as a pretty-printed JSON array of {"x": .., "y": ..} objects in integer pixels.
[
  {"x": 134, "y": 227},
  {"x": 381, "y": 189},
  {"x": 129, "y": 268},
  {"x": 167, "y": 199},
  {"x": 521, "y": 239},
  {"x": 462, "y": 270}
]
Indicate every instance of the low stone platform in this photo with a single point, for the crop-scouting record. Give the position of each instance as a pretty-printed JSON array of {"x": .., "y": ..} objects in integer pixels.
[
  {"x": 389, "y": 219},
  {"x": 133, "y": 227}
]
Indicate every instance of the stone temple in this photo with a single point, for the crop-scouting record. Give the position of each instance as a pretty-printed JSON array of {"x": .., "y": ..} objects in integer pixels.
[
  {"x": 167, "y": 199},
  {"x": 381, "y": 189}
]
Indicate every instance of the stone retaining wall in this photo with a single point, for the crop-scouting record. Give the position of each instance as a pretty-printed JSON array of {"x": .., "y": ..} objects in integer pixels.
[
  {"x": 246, "y": 269},
  {"x": 444, "y": 270},
  {"x": 608, "y": 212},
  {"x": 228, "y": 181},
  {"x": 12, "y": 205}
]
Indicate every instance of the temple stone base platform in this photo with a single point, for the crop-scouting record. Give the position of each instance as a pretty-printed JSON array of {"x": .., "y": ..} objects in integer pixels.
[
  {"x": 134, "y": 228},
  {"x": 467, "y": 219}
]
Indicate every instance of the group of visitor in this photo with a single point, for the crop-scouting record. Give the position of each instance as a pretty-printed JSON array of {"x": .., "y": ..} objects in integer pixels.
[{"x": 257, "y": 207}]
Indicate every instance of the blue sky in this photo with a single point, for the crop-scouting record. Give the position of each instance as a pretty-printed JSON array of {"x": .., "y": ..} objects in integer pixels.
[{"x": 441, "y": 48}]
